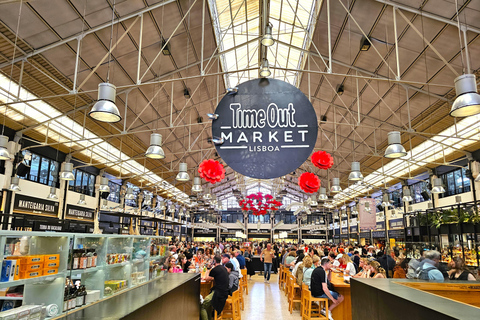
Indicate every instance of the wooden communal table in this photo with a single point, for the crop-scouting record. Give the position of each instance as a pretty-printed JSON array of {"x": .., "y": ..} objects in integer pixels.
[{"x": 344, "y": 310}]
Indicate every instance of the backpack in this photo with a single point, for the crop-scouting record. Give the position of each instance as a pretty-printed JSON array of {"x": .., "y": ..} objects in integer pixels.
[{"x": 422, "y": 274}]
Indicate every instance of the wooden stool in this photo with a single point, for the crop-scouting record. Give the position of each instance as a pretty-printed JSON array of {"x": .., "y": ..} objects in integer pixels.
[
  {"x": 287, "y": 283},
  {"x": 294, "y": 294},
  {"x": 245, "y": 280},
  {"x": 311, "y": 310},
  {"x": 241, "y": 287},
  {"x": 231, "y": 309},
  {"x": 283, "y": 277}
]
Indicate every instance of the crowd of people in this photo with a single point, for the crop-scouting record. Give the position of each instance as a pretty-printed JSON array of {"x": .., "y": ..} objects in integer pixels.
[{"x": 309, "y": 264}]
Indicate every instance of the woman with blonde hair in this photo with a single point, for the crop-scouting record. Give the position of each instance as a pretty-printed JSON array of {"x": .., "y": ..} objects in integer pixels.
[
  {"x": 375, "y": 270},
  {"x": 349, "y": 266},
  {"x": 309, "y": 265}
]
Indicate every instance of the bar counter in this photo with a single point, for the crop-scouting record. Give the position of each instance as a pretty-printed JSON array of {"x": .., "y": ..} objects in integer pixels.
[
  {"x": 344, "y": 309},
  {"x": 175, "y": 296}
]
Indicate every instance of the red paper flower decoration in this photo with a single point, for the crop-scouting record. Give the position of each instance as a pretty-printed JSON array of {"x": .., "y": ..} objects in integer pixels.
[
  {"x": 211, "y": 170},
  {"x": 322, "y": 160},
  {"x": 259, "y": 204},
  {"x": 309, "y": 182}
]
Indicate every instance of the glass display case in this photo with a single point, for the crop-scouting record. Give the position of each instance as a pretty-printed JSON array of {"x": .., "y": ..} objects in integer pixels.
[{"x": 65, "y": 272}]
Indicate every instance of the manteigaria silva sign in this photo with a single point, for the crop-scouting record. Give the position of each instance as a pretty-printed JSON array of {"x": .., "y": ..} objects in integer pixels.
[{"x": 269, "y": 128}]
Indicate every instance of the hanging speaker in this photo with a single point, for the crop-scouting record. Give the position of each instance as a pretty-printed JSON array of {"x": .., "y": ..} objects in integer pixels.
[
  {"x": 22, "y": 169},
  {"x": 425, "y": 195},
  {"x": 104, "y": 195}
]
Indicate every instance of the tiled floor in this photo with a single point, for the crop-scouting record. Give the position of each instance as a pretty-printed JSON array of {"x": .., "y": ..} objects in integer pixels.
[{"x": 266, "y": 301}]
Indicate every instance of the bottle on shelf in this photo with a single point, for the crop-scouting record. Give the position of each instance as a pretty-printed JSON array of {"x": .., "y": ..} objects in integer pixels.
[
  {"x": 83, "y": 260},
  {"x": 65, "y": 300}
]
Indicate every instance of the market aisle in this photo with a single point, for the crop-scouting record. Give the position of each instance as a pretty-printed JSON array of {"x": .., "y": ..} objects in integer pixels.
[{"x": 266, "y": 301}]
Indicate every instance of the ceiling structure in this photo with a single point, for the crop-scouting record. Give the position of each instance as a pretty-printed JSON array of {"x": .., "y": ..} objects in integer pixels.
[{"x": 60, "y": 50}]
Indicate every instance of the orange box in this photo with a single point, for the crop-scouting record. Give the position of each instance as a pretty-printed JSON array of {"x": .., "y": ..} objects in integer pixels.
[
  {"x": 51, "y": 264},
  {"x": 31, "y": 267},
  {"x": 31, "y": 274},
  {"x": 36, "y": 259},
  {"x": 16, "y": 275},
  {"x": 47, "y": 272},
  {"x": 52, "y": 257}
]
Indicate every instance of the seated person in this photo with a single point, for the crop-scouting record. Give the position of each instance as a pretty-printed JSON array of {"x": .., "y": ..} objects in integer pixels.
[
  {"x": 232, "y": 278},
  {"x": 308, "y": 268},
  {"x": 217, "y": 298},
  {"x": 319, "y": 285}
]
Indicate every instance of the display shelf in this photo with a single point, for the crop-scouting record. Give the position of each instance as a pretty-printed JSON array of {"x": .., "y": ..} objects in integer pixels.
[
  {"x": 88, "y": 270},
  {"x": 122, "y": 264},
  {"x": 137, "y": 261},
  {"x": 42, "y": 279}
]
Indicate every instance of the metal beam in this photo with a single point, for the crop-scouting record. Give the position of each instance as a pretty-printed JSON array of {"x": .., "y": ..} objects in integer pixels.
[
  {"x": 427, "y": 15},
  {"x": 87, "y": 32}
]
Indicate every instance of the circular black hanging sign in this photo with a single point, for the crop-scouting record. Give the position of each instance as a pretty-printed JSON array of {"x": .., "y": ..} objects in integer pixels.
[{"x": 269, "y": 128}]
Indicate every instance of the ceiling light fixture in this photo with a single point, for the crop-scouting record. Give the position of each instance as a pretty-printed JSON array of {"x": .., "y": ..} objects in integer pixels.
[
  {"x": 267, "y": 39},
  {"x": 104, "y": 109},
  {"x": 155, "y": 150},
  {"x": 129, "y": 195},
  {"x": 437, "y": 186},
  {"x": 53, "y": 194},
  {"x": 82, "y": 201},
  {"x": 265, "y": 69},
  {"x": 467, "y": 102},
  {"x": 207, "y": 195},
  {"x": 386, "y": 201},
  {"x": 186, "y": 94},
  {"x": 364, "y": 44},
  {"x": 395, "y": 148},
  {"x": 4, "y": 154},
  {"x": 340, "y": 89},
  {"x": 166, "y": 49},
  {"x": 104, "y": 185},
  {"x": 406, "y": 196},
  {"x": 183, "y": 174},
  {"x": 67, "y": 172},
  {"x": 313, "y": 200},
  {"x": 323, "y": 194},
  {"x": 336, "y": 185},
  {"x": 212, "y": 116},
  {"x": 217, "y": 140},
  {"x": 355, "y": 175},
  {"x": 197, "y": 185},
  {"x": 14, "y": 184},
  {"x": 232, "y": 91}
]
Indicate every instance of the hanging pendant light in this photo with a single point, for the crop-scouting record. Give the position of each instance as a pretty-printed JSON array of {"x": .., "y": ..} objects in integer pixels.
[
  {"x": 386, "y": 201},
  {"x": 53, "y": 194},
  {"x": 336, "y": 185},
  {"x": 313, "y": 200},
  {"x": 14, "y": 184},
  {"x": 467, "y": 102},
  {"x": 367, "y": 206},
  {"x": 355, "y": 174},
  {"x": 104, "y": 185},
  {"x": 105, "y": 109},
  {"x": 265, "y": 69},
  {"x": 67, "y": 171},
  {"x": 155, "y": 150},
  {"x": 267, "y": 39},
  {"x": 395, "y": 148},
  {"x": 147, "y": 200},
  {"x": 104, "y": 205},
  {"x": 392, "y": 213},
  {"x": 406, "y": 196},
  {"x": 171, "y": 208},
  {"x": 129, "y": 195},
  {"x": 183, "y": 174},
  {"x": 197, "y": 185},
  {"x": 323, "y": 194},
  {"x": 161, "y": 205},
  {"x": 437, "y": 186},
  {"x": 4, "y": 154},
  {"x": 207, "y": 195},
  {"x": 82, "y": 201}
]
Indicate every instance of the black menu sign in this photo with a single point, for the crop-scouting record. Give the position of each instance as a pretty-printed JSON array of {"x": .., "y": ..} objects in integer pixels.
[
  {"x": 30, "y": 205},
  {"x": 81, "y": 213},
  {"x": 269, "y": 128}
]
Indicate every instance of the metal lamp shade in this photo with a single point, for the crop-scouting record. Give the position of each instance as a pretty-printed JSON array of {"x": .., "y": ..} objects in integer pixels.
[
  {"x": 105, "y": 109},
  {"x": 129, "y": 195},
  {"x": 323, "y": 194},
  {"x": 207, "y": 195},
  {"x": 82, "y": 201},
  {"x": 406, "y": 196},
  {"x": 161, "y": 205},
  {"x": 183, "y": 175},
  {"x": 395, "y": 148},
  {"x": 53, "y": 194},
  {"x": 437, "y": 186},
  {"x": 67, "y": 172},
  {"x": 197, "y": 185},
  {"x": 355, "y": 175},
  {"x": 104, "y": 185},
  {"x": 155, "y": 150},
  {"x": 265, "y": 69},
  {"x": 14, "y": 184},
  {"x": 267, "y": 39},
  {"x": 467, "y": 102},
  {"x": 4, "y": 154},
  {"x": 336, "y": 185},
  {"x": 313, "y": 200}
]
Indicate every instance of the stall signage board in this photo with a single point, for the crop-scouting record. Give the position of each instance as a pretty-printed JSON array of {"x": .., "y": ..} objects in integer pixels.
[
  {"x": 378, "y": 234},
  {"x": 367, "y": 217},
  {"x": 395, "y": 223},
  {"x": 380, "y": 225},
  {"x": 354, "y": 229},
  {"x": 53, "y": 226},
  {"x": 344, "y": 230},
  {"x": 81, "y": 213},
  {"x": 30, "y": 205},
  {"x": 269, "y": 128},
  {"x": 397, "y": 234}
]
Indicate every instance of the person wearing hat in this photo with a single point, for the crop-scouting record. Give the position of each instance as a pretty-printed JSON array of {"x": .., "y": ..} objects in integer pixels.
[{"x": 232, "y": 278}]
